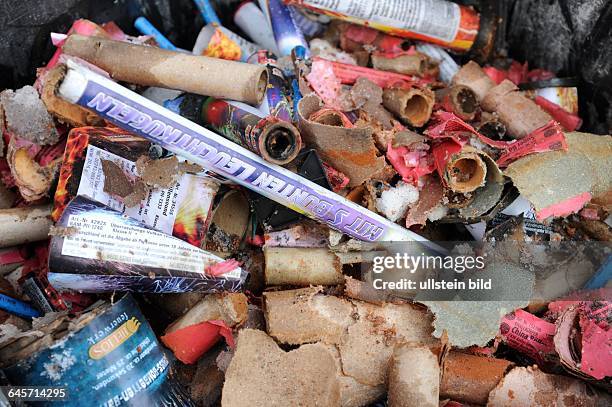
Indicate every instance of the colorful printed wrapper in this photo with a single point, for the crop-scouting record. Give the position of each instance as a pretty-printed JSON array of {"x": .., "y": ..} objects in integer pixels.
[
  {"x": 286, "y": 32},
  {"x": 214, "y": 153},
  {"x": 437, "y": 21},
  {"x": 182, "y": 210},
  {"x": 111, "y": 252},
  {"x": 529, "y": 334}
]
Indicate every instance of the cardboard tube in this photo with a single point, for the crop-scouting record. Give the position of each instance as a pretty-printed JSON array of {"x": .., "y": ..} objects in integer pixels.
[
  {"x": 465, "y": 171},
  {"x": 520, "y": 115},
  {"x": 24, "y": 225},
  {"x": 302, "y": 266},
  {"x": 472, "y": 76},
  {"x": 491, "y": 127},
  {"x": 469, "y": 379},
  {"x": 151, "y": 66},
  {"x": 407, "y": 64},
  {"x": 412, "y": 106},
  {"x": 65, "y": 111},
  {"x": 414, "y": 378},
  {"x": 458, "y": 99}
]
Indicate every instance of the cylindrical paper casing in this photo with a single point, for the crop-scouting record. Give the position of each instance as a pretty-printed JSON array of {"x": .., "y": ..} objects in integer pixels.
[{"x": 152, "y": 66}]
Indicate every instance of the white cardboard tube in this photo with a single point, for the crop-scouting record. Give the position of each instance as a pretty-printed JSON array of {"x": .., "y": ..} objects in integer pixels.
[
  {"x": 254, "y": 23},
  {"x": 24, "y": 225}
]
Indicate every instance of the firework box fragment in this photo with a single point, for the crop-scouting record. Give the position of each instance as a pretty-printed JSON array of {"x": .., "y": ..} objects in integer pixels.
[
  {"x": 440, "y": 22},
  {"x": 202, "y": 326},
  {"x": 469, "y": 378},
  {"x": 113, "y": 252},
  {"x": 230, "y": 222},
  {"x": 24, "y": 225},
  {"x": 262, "y": 374},
  {"x": 559, "y": 183},
  {"x": 152, "y": 66},
  {"x": 91, "y": 153},
  {"x": 108, "y": 355},
  {"x": 414, "y": 378},
  {"x": 531, "y": 387}
]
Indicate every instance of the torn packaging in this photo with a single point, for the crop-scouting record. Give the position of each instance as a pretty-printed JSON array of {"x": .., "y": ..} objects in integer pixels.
[
  {"x": 350, "y": 150},
  {"x": 558, "y": 183},
  {"x": 261, "y": 374},
  {"x": 202, "y": 326},
  {"x": 414, "y": 378},
  {"x": 151, "y": 66},
  {"x": 365, "y": 334}
]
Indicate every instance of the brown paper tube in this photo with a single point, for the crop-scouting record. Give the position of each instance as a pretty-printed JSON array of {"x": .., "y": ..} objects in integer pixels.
[
  {"x": 302, "y": 266},
  {"x": 309, "y": 266},
  {"x": 490, "y": 126},
  {"x": 472, "y": 76},
  {"x": 65, "y": 111},
  {"x": 151, "y": 66},
  {"x": 469, "y": 379},
  {"x": 230, "y": 308},
  {"x": 458, "y": 99},
  {"x": 24, "y": 225},
  {"x": 412, "y": 106},
  {"x": 465, "y": 171},
  {"x": 520, "y": 115},
  {"x": 407, "y": 64},
  {"x": 414, "y": 378}
]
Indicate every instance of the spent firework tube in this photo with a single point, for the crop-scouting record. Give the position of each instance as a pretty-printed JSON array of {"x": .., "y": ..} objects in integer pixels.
[
  {"x": 107, "y": 356},
  {"x": 276, "y": 103},
  {"x": 274, "y": 140},
  {"x": 286, "y": 32},
  {"x": 108, "y": 251},
  {"x": 146, "y": 28},
  {"x": 436, "y": 21},
  {"x": 250, "y": 19},
  {"x": 135, "y": 113}
]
